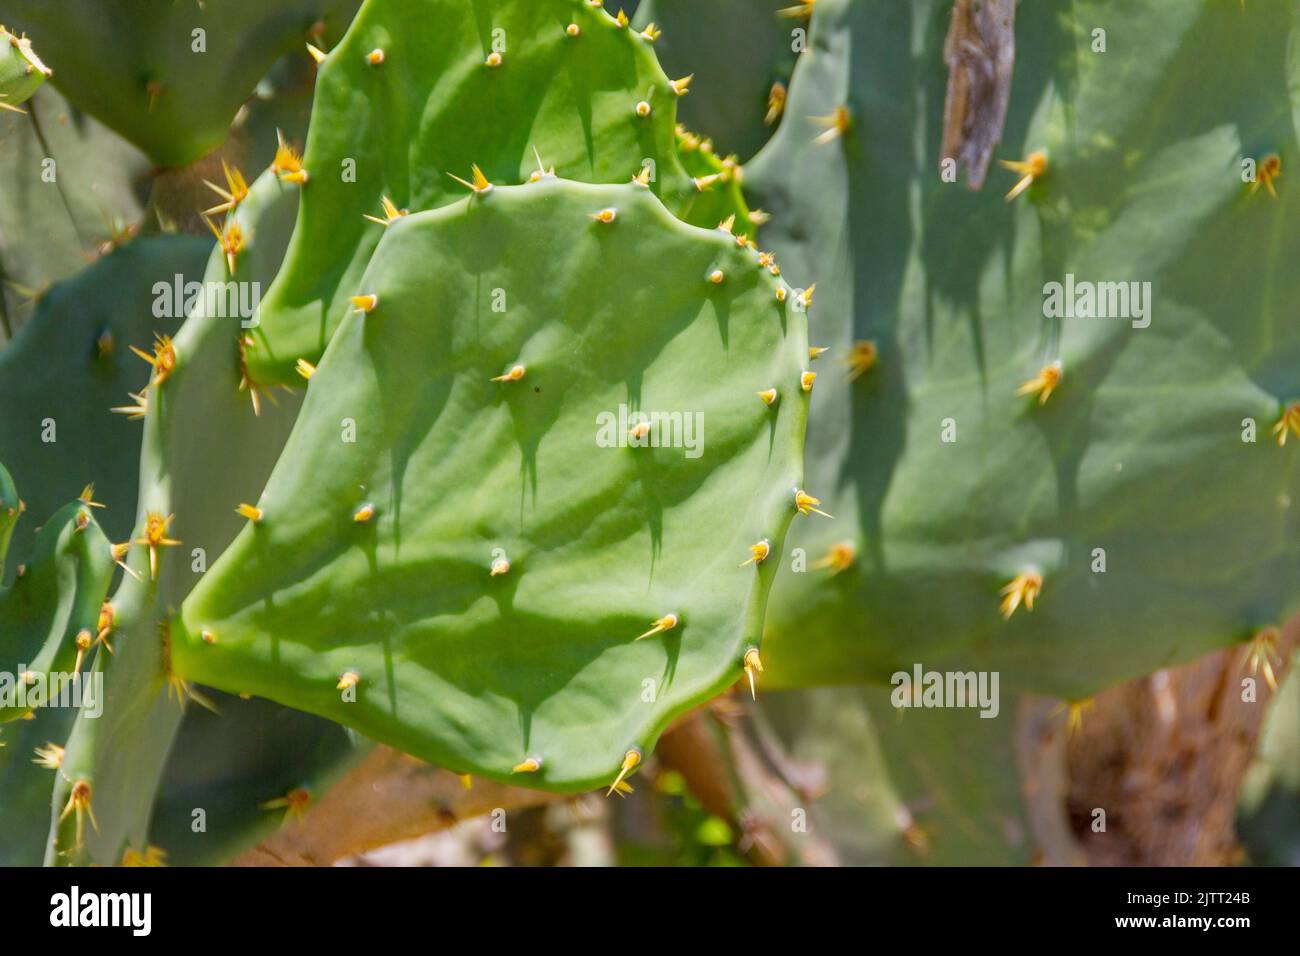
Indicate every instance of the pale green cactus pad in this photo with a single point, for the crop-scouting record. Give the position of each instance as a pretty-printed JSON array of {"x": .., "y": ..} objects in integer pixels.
[
  {"x": 445, "y": 532},
  {"x": 50, "y": 606},
  {"x": 21, "y": 70},
  {"x": 169, "y": 76},
  {"x": 417, "y": 93},
  {"x": 71, "y": 362},
  {"x": 1156, "y": 455}
]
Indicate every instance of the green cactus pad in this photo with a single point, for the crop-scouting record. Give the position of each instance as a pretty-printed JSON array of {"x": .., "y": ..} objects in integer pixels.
[
  {"x": 411, "y": 473},
  {"x": 57, "y": 595},
  {"x": 229, "y": 764},
  {"x": 201, "y": 444},
  {"x": 434, "y": 106},
  {"x": 921, "y": 787},
  {"x": 1139, "y": 452},
  {"x": 71, "y": 363},
  {"x": 168, "y": 76},
  {"x": 52, "y": 599},
  {"x": 737, "y": 49},
  {"x": 70, "y": 185},
  {"x": 21, "y": 70}
]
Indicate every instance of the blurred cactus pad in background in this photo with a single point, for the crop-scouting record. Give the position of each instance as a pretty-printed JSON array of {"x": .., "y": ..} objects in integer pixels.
[{"x": 783, "y": 432}]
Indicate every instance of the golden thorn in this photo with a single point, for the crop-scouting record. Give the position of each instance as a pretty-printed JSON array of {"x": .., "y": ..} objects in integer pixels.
[
  {"x": 1261, "y": 654},
  {"x": 365, "y": 303},
  {"x": 481, "y": 186},
  {"x": 839, "y": 557},
  {"x": 758, "y": 552},
  {"x": 862, "y": 358},
  {"x": 665, "y": 623},
  {"x": 251, "y": 512},
  {"x": 1025, "y": 587},
  {"x": 1044, "y": 383},
  {"x": 156, "y": 536},
  {"x": 515, "y": 374},
  {"x": 391, "y": 213},
  {"x": 752, "y": 665},
  {"x": 630, "y": 760},
  {"x": 776, "y": 98},
  {"x": 837, "y": 123},
  {"x": 50, "y": 756},
  {"x": 1266, "y": 174},
  {"x": 1030, "y": 169},
  {"x": 1288, "y": 423},
  {"x": 294, "y": 803},
  {"x": 805, "y": 503}
]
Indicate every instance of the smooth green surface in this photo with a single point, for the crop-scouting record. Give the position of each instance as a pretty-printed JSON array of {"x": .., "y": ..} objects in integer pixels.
[
  {"x": 905, "y": 787},
  {"x": 69, "y": 182},
  {"x": 1140, "y": 450},
  {"x": 137, "y": 64},
  {"x": 228, "y": 764},
  {"x": 476, "y": 672},
  {"x": 432, "y": 108}
]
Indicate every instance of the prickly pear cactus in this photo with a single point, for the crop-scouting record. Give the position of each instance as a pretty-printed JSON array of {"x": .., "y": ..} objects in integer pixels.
[
  {"x": 50, "y": 610},
  {"x": 71, "y": 362},
  {"x": 169, "y": 76},
  {"x": 472, "y": 547},
  {"x": 72, "y": 189},
  {"x": 49, "y": 627},
  {"x": 741, "y": 52},
  {"x": 905, "y": 788},
  {"x": 230, "y": 763},
  {"x": 21, "y": 70},
  {"x": 1069, "y": 500},
  {"x": 420, "y": 95},
  {"x": 203, "y": 440}
]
